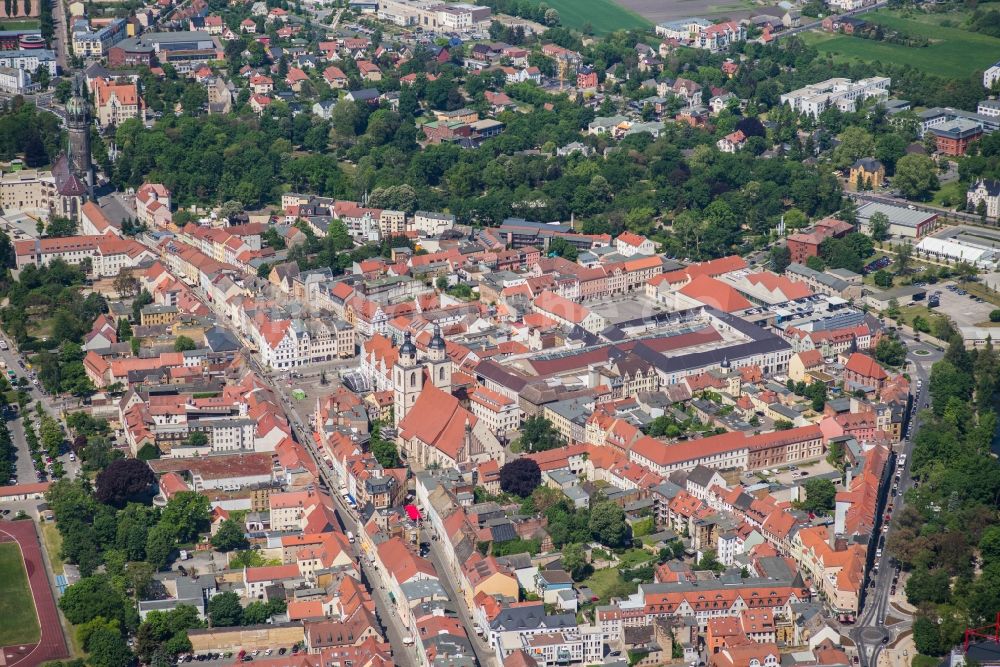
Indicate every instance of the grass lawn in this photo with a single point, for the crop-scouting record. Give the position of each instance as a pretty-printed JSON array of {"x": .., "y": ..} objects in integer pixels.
[
  {"x": 634, "y": 557},
  {"x": 609, "y": 583},
  {"x": 950, "y": 195},
  {"x": 925, "y": 661},
  {"x": 953, "y": 52},
  {"x": 27, "y": 24},
  {"x": 18, "y": 622},
  {"x": 604, "y": 16},
  {"x": 912, "y": 310},
  {"x": 52, "y": 540}
]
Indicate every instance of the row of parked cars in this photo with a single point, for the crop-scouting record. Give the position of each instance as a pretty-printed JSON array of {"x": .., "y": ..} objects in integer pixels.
[{"x": 242, "y": 656}]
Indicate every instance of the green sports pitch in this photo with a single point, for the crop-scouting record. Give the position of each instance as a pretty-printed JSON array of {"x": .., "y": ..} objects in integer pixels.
[{"x": 18, "y": 621}]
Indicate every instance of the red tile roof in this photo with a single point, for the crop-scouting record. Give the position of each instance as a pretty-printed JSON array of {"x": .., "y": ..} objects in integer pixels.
[
  {"x": 437, "y": 419},
  {"x": 865, "y": 366},
  {"x": 715, "y": 293}
]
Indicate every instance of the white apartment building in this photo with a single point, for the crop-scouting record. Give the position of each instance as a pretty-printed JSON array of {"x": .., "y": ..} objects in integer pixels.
[
  {"x": 114, "y": 254},
  {"x": 502, "y": 415},
  {"x": 16, "y": 81},
  {"x": 225, "y": 434},
  {"x": 461, "y": 15},
  {"x": 989, "y": 108},
  {"x": 683, "y": 29},
  {"x": 843, "y": 94},
  {"x": 429, "y": 223},
  {"x": 433, "y": 14},
  {"x": 30, "y": 60},
  {"x": 580, "y": 646},
  {"x": 991, "y": 76}
]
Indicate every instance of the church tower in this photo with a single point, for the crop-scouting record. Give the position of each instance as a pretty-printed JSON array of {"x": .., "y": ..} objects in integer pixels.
[
  {"x": 438, "y": 363},
  {"x": 407, "y": 380},
  {"x": 78, "y": 125}
]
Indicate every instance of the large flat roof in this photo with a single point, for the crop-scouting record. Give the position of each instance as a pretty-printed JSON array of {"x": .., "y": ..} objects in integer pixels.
[{"x": 898, "y": 215}]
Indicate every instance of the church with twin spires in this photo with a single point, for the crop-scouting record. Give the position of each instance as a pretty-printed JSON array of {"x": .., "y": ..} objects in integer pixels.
[{"x": 433, "y": 428}]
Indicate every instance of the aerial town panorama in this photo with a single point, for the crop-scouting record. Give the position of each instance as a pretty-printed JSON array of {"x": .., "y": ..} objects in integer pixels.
[{"x": 499, "y": 333}]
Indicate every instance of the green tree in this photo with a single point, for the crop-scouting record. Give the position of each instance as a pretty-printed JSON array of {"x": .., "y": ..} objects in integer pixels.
[
  {"x": 224, "y": 610},
  {"x": 989, "y": 545},
  {"x": 820, "y": 495},
  {"x": 384, "y": 450},
  {"x": 780, "y": 257},
  {"x": 539, "y": 435},
  {"x": 97, "y": 596},
  {"x": 187, "y": 515},
  {"x": 183, "y": 344},
  {"x": 574, "y": 560},
  {"x": 562, "y": 248},
  {"x": 258, "y": 612},
  {"x": 607, "y": 524},
  {"x": 124, "y": 331},
  {"x": 85, "y": 630},
  {"x": 855, "y": 143},
  {"x": 878, "y": 224},
  {"x": 890, "y": 351},
  {"x": 928, "y": 586},
  {"x": 710, "y": 561},
  {"x": 926, "y": 636},
  {"x": 816, "y": 393},
  {"x": 107, "y": 648},
  {"x": 795, "y": 219},
  {"x": 141, "y": 301},
  {"x": 166, "y": 631},
  {"x": 916, "y": 176},
  {"x": 904, "y": 253},
  {"x": 159, "y": 545},
  {"x": 230, "y": 536},
  {"x": 59, "y": 226}
]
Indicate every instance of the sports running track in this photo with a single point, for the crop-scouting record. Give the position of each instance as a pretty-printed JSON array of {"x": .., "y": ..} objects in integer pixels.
[{"x": 52, "y": 645}]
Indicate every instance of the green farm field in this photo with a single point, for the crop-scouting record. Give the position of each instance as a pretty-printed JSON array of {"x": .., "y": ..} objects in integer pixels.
[
  {"x": 604, "y": 16},
  {"x": 953, "y": 52},
  {"x": 18, "y": 621}
]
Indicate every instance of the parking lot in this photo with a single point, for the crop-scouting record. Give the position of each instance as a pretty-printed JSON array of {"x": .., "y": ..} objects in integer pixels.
[
  {"x": 963, "y": 309},
  {"x": 789, "y": 475}
]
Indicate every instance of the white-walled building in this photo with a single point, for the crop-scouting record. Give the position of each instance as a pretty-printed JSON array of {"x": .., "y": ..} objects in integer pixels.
[{"x": 843, "y": 94}]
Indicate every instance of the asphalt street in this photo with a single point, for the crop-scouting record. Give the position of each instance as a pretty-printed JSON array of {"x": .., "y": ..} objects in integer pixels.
[
  {"x": 871, "y": 634},
  {"x": 25, "y": 466}
]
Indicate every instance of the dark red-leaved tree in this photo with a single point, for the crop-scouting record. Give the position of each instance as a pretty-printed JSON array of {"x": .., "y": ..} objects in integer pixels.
[
  {"x": 125, "y": 480},
  {"x": 520, "y": 477}
]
